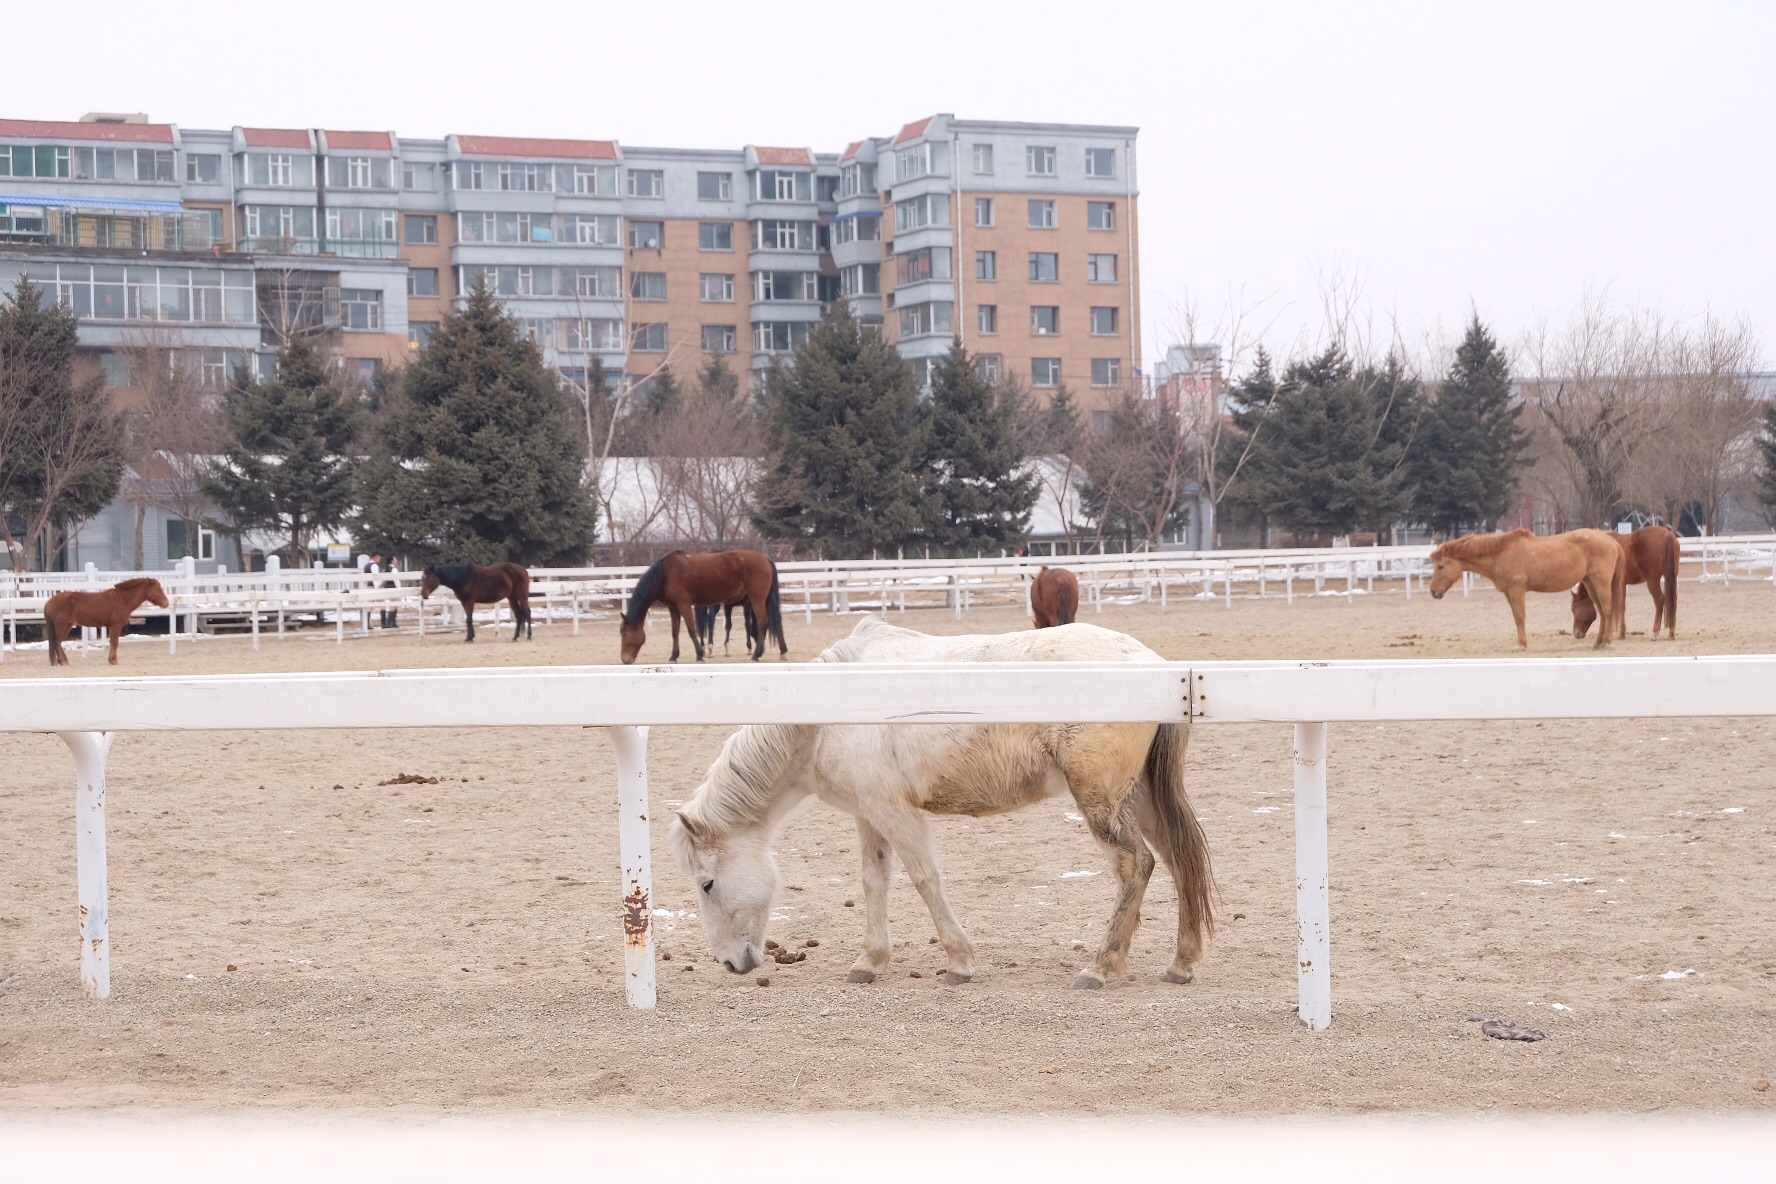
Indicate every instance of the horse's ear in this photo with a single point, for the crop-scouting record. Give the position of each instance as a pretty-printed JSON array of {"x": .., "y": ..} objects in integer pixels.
[{"x": 692, "y": 826}]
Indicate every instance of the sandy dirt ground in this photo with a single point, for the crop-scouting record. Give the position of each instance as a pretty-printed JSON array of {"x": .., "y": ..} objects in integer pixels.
[{"x": 287, "y": 934}]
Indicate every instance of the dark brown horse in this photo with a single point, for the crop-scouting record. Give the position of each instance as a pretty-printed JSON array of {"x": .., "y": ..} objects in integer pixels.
[
  {"x": 706, "y": 615},
  {"x": 681, "y": 581},
  {"x": 1054, "y": 597},
  {"x": 110, "y": 609},
  {"x": 1652, "y": 553},
  {"x": 474, "y": 584}
]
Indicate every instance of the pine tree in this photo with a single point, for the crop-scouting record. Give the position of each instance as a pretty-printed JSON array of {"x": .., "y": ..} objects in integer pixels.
[
  {"x": 291, "y": 468},
  {"x": 978, "y": 499},
  {"x": 486, "y": 458},
  {"x": 1243, "y": 458},
  {"x": 843, "y": 432},
  {"x": 1767, "y": 479},
  {"x": 1471, "y": 449}
]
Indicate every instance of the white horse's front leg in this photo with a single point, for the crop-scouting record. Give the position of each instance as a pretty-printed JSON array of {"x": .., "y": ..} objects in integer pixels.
[
  {"x": 911, "y": 839},
  {"x": 876, "y": 878}
]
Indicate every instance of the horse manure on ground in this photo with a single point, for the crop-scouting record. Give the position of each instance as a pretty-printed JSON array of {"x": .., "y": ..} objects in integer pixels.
[
  {"x": 1500, "y": 1030},
  {"x": 770, "y": 943},
  {"x": 812, "y": 942},
  {"x": 914, "y": 974},
  {"x": 786, "y": 956},
  {"x": 408, "y": 779},
  {"x": 850, "y": 904},
  {"x": 764, "y": 980}
]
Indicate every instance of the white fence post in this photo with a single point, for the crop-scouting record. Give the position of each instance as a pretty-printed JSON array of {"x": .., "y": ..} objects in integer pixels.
[
  {"x": 90, "y": 750},
  {"x": 1312, "y": 908},
  {"x": 630, "y": 743}
]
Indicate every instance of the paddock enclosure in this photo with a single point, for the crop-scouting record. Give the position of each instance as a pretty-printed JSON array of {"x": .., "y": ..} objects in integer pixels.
[{"x": 454, "y": 944}]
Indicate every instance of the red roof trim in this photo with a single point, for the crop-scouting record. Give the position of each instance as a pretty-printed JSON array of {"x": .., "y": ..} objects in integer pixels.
[
  {"x": 913, "y": 131},
  {"x": 363, "y": 141},
  {"x": 784, "y": 156},
  {"x": 552, "y": 149},
  {"x": 276, "y": 137},
  {"x": 851, "y": 150},
  {"x": 40, "y": 129}
]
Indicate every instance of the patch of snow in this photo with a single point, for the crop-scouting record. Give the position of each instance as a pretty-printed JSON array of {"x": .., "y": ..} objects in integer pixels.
[
  {"x": 1734, "y": 810},
  {"x": 1265, "y": 810},
  {"x": 1675, "y": 974},
  {"x": 1076, "y": 875},
  {"x": 1536, "y": 883}
]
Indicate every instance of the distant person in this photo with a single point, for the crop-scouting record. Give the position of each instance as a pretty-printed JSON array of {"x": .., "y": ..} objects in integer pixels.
[{"x": 374, "y": 568}]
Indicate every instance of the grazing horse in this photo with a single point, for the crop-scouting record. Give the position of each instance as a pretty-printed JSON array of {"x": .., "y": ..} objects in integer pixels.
[
  {"x": 706, "y": 614},
  {"x": 1127, "y": 779},
  {"x": 110, "y": 609},
  {"x": 474, "y": 584},
  {"x": 1652, "y": 553},
  {"x": 1054, "y": 597},
  {"x": 1517, "y": 562},
  {"x": 682, "y": 581}
]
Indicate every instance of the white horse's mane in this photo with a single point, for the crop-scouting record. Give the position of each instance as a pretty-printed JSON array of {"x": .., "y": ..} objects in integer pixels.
[{"x": 743, "y": 780}]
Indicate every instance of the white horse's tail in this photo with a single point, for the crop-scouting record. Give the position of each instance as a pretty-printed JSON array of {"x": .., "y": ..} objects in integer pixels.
[{"x": 1178, "y": 835}]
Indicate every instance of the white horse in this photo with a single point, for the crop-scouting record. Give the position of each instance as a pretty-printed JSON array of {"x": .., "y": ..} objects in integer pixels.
[{"x": 1128, "y": 780}]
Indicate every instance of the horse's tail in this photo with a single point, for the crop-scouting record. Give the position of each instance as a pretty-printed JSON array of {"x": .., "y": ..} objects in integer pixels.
[
  {"x": 1177, "y": 833},
  {"x": 1673, "y": 553},
  {"x": 1619, "y": 594},
  {"x": 773, "y": 622},
  {"x": 1067, "y": 602}
]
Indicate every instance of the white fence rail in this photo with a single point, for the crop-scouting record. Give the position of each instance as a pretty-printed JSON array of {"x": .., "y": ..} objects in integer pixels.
[
  {"x": 271, "y": 600},
  {"x": 88, "y": 713}
]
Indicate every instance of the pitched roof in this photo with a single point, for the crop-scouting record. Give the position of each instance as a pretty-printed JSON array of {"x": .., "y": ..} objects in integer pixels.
[
  {"x": 913, "y": 131},
  {"x": 276, "y": 137},
  {"x": 41, "y": 129},
  {"x": 363, "y": 141},
  {"x": 548, "y": 149},
  {"x": 851, "y": 150},
  {"x": 785, "y": 156}
]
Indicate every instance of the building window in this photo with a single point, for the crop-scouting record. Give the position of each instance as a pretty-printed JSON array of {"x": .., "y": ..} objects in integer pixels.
[
  {"x": 1045, "y": 267},
  {"x": 357, "y": 175},
  {"x": 422, "y": 281},
  {"x": 364, "y": 370},
  {"x": 826, "y": 189},
  {"x": 987, "y": 319},
  {"x": 1100, "y": 215},
  {"x": 1100, "y": 269},
  {"x": 927, "y": 263},
  {"x": 278, "y": 170},
  {"x": 361, "y": 308},
  {"x": 116, "y": 368},
  {"x": 419, "y": 333},
  {"x": 983, "y": 159},
  {"x": 1103, "y": 322},
  {"x": 1045, "y": 319},
  {"x": 987, "y": 366},
  {"x": 205, "y": 168},
  {"x": 776, "y": 337},
  {"x": 715, "y": 236},
  {"x": 1042, "y": 214},
  {"x": 785, "y": 285},
  {"x": 931, "y": 209},
  {"x": 180, "y": 539},
  {"x": 1045, "y": 372},
  {"x": 778, "y": 235},
  {"x": 720, "y": 339},
  {"x": 647, "y": 235},
  {"x": 419, "y": 176},
  {"x": 646, "y": 183},
  {"x": 861, "y": 279},
  {"x": 857, "y": 228},
  {"x": 50, "y": 160},
  {"x": 782, "y": 185},
  {"x": 422, "y": 228},
  {"x": 590, "y": 229},
  {"x": 601, "y": 335},
  {"x": 983, "y": 211},
  {"x": 594, "y": 180},
  {"x": 1100, "y": 162},
  {"x": 1106, "y": 371},
  {"x": 715, "y": 186},
  {"x": 986, "y": 265},
  {"x": 1039, "y": 161},
  {"x": 647, "y": 285},
  {"x": 931, "y": 317},
  {"x": 649, "y": 339},
  {"x": 716, "y": 289}
]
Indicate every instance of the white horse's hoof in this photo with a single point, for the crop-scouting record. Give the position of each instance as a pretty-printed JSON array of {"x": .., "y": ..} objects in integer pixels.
[
  {"x": 860, "y": 975},
  {"x": 1172, "y": 976},
  {"x": 956, "y": 978},
  {"x": 1087, "y": 982}
]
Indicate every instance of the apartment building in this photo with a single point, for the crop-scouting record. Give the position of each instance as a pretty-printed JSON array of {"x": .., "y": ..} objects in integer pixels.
[{"x": 1020, "y": 238}]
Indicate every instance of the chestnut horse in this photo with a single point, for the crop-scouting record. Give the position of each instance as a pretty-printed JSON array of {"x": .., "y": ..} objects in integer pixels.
[
  {"x": 1054, "y": 597},
  {"x": 1652, "y": 553},
  {"x": 474, "y": 584},
  {"x": 1517, "y": 562},
  {"x": 110, "y": 609},
  {"x": 681, "y": 581}
]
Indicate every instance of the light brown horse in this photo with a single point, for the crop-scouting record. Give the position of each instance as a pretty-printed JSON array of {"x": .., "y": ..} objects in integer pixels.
[
  {"x": 1054, "y": 597},
  {"x": 110, "y": 609},
  {"x": 1652, "y": 553},
  {"x": 681, "y": 581},
  {"x": 1517, "y": 562}
]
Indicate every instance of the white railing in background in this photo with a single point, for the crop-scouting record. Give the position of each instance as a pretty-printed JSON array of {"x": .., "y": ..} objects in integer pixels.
[
  {"x": 256, "y": 600},
  {"x": 88, "y": 713}
]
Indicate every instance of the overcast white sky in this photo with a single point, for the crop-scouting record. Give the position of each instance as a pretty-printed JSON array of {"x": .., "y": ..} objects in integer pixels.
[{"x": 1442, "y": 155}]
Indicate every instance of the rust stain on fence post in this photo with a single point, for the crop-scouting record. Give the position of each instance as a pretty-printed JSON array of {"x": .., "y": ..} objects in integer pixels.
[{"x": 635, "y": 916}]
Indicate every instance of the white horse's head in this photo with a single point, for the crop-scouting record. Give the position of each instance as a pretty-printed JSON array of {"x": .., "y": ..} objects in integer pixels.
[{"x": 737, "y": 882}]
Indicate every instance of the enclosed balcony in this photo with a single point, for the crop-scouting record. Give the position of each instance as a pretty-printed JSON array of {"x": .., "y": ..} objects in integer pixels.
[{"x": 107, "y": 224}]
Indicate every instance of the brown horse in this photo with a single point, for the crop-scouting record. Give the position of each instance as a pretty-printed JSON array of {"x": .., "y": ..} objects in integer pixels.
[
  {"x": 1054, "y": 597},
  {"x": 111, "y": 609},
  {"x": 1652, "y": 553},
  {"x": 474, "y": 584},
  {"x": 1517, "y": 562},
  {"x": 681, "y": 581}
]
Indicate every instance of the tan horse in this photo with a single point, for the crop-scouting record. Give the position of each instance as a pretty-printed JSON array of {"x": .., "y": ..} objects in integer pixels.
[
  {"x": 1653, "y": 553},
  {"x": 109, "y": 609},
  {"x": 1517, "y": 562}
]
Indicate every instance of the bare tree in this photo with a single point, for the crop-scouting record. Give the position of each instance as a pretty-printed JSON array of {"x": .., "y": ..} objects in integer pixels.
[
  {"x": 704, "y": 450},
  {"x": 176, "y": 426}
]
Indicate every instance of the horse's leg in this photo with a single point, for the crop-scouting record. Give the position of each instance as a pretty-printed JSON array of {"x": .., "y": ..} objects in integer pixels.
[
  {"x": 673, "y": 610},
  {"x": 1514, "y": 594},
  {"x": 517, "y": 617},
  {"x": 877, "y": 867},
  {"x": 1112, "y": 813},
  {"x": 1603, "y": 593},
  {"x": 757, "y": 606},
  {"x": 910, "y": 836},
  {"x": 53, "y": 630},
  {"x": 468, "y": 607},
  {"x": 690, "y": 616},
  {"x": 114, "y": 630}
]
